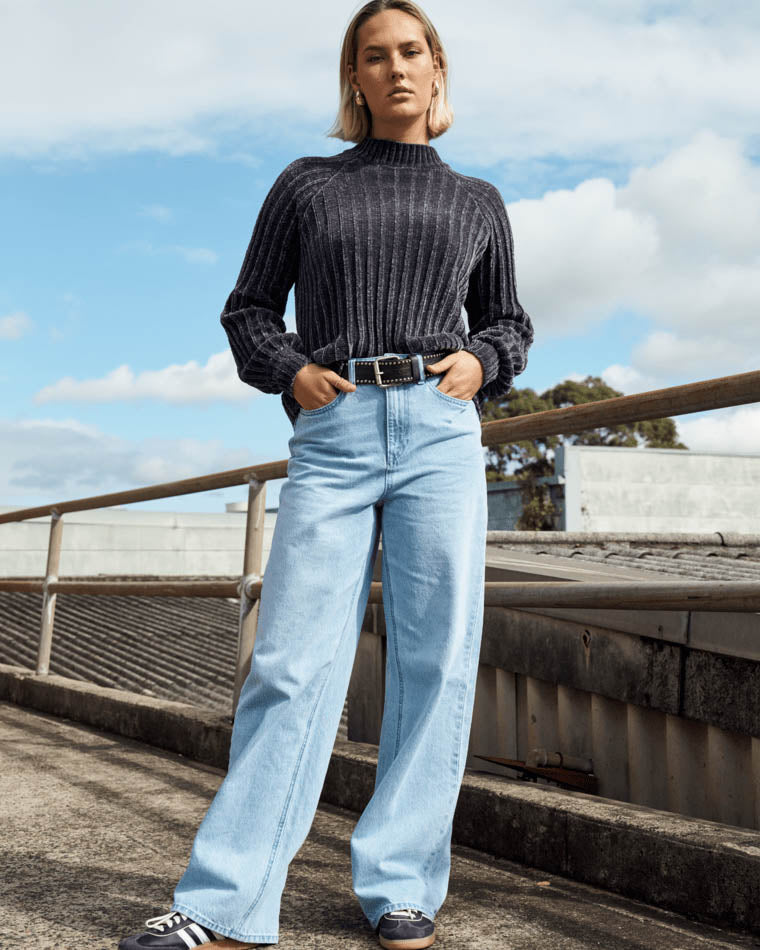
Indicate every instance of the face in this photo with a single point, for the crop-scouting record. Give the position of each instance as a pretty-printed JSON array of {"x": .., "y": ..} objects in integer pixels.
[{"x": 392, "y": 51}]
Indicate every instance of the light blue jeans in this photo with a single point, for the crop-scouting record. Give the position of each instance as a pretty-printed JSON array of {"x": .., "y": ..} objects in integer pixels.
[{"x": 406, "y": 459}]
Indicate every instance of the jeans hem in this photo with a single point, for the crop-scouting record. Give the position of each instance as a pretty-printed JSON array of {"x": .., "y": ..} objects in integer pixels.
[
  {"x": 223, "y": 928},
  {"x": 399, "y": 905}
]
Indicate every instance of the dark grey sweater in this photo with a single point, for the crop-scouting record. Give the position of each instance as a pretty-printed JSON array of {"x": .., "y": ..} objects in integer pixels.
[{"x": 385, "y": 243}]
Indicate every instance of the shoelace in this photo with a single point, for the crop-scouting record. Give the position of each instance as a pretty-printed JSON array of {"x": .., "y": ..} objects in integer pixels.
[
  {"x": 406, "y": 912},
  {"x": 165, "y": 920}
]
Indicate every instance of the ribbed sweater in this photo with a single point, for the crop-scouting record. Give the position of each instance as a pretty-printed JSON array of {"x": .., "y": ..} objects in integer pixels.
[{"x": 385, "y": 244}]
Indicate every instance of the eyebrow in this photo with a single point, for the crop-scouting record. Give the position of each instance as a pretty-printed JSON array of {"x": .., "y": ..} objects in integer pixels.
[{"x": 405, "y": 43}]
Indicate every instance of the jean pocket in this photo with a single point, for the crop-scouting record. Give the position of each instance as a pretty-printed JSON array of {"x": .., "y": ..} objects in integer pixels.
[
  {"x": 453, "y": 399},
  {"x": 326, "y": 408}
]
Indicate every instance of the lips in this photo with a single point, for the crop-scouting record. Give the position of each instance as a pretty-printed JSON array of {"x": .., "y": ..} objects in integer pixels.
[{"x": 394, "y": 91}]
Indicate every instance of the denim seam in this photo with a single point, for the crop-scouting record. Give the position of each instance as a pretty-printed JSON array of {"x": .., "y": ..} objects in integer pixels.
[
  {"x": 392, "y": 604},
  {"x": 460, "y": 713},
  {"x": 296, "y": 769}
]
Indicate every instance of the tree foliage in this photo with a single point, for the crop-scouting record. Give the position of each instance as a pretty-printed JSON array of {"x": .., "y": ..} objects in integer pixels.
[{"x": 530, "y": 460}]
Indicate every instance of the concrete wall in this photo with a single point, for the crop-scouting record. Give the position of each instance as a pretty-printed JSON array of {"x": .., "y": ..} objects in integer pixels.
[
  {"x": 658, "y": 490},
  {"x": 129, "y": 541},
  {"x": 666, "y": 703}
]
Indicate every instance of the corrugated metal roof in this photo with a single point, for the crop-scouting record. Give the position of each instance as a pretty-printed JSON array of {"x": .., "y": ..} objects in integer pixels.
[
  {"x": 184, "y": 648},
  {"x": 698, "y": 561},
  {"x": 177, "y": 648},
  {"x": 716, "y": 567}
]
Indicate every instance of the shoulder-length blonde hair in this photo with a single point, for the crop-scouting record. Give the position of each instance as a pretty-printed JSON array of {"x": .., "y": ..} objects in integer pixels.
[{"x": 353, "y": 121}]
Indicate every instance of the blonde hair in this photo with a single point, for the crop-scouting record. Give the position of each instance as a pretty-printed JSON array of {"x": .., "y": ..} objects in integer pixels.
[{"x": 352, "y": 123}]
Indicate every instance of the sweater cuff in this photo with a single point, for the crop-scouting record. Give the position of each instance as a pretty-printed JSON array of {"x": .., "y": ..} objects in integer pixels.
[
  {"x": 289, "y": 362},
  {"x": 488, "y": 357}
]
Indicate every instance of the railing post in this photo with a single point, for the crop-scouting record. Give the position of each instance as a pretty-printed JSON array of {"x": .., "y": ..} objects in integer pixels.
[
  {"x": 252, "y": 561},
  {"x": 48, "y": 598}
]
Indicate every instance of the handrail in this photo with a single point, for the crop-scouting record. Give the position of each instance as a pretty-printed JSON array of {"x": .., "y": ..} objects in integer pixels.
[
  {"x": 728, "y": 596},
  {"x": 718, "y": 393},
  {"x": 185, "y": 486}
]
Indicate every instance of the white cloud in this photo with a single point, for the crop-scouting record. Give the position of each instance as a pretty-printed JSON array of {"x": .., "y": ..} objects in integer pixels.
[
  {"x": 705, "y": 198},
  {"x": 626, "y": 379},
  {"x": 68, "y": 459},
  {"x": 679, "y": 243},
  {"x": 14, "y": 325},
  {"x": 735, "y": 431},
  {"x": 623, "y": 79},
  {"x": 664, "y": 353},
  {"x": 193, "y": 255},
  {"x": 156, "y": 211},
  {"x": 180, "y": 384},
  {"x": 196, "y": 255},
  {"x": 579, "y": 255}
]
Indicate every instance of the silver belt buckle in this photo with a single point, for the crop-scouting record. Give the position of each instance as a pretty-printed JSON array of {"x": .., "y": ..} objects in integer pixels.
[{"x": 378, "y": 378}]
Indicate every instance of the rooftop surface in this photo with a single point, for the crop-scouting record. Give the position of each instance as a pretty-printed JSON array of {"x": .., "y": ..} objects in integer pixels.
[
  {"x": 184, "y": 648},
  {"x": 696, "y": 557},
  {"x": 98, "y": 829}
]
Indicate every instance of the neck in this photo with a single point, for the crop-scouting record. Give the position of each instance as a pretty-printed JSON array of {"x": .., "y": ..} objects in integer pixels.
[{"x": 384, "y": 151}]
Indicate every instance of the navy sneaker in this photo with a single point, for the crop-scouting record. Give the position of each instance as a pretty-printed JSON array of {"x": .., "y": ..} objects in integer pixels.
[
  {"x": 406, "y": 929},
  {"x": 175, "y": 931}
]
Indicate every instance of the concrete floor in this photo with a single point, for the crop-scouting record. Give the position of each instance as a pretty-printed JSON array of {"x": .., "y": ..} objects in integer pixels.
[{"x": 97, "y": 829}]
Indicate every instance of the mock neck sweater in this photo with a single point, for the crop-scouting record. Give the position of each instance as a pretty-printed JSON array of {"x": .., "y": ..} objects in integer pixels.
[{"x": 385, "y": 244}]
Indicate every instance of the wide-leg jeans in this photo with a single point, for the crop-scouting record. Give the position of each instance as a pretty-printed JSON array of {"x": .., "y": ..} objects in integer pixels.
[{"x": 406, "y": 460}]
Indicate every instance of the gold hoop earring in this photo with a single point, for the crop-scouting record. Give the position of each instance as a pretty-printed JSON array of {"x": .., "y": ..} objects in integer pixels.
[
  {"x": 358, "y": 98},
  {"x": 436, "y": 89}
]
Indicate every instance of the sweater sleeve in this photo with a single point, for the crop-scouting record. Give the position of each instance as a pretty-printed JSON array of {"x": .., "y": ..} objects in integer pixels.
[
  {"x": 267, "y": 357},
  {"x": 500, "y": 331}
]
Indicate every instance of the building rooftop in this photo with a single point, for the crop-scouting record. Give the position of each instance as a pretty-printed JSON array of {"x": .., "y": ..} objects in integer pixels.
[{"x": 184, "y": 648}]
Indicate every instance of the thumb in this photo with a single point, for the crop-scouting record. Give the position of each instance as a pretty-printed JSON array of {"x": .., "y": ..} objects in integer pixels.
[
  {"x": 340, "y": 382},
  {"x": 440, "y": 366}
]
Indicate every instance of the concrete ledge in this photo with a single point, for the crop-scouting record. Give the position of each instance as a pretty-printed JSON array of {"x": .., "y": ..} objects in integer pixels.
[
  {"x": 198, "y": 733},
  {"x": 704, "y": 869}
]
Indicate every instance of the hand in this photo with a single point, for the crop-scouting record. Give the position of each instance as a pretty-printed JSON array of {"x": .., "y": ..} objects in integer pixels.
[
  {"x": 314, "y": 385},
  {"x": 464, "y": 374}
]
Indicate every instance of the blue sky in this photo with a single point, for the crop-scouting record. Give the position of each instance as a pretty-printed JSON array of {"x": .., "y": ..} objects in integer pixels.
[{"x": 135, "y": 155}]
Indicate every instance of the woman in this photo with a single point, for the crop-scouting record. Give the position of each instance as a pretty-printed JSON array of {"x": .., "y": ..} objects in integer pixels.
[{"x": 383, "y": 383}]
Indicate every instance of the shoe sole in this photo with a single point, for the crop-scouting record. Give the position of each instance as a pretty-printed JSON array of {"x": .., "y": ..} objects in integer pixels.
[
  {"x": 414, "y": 943},
  {"x": 230, "y": 944}
]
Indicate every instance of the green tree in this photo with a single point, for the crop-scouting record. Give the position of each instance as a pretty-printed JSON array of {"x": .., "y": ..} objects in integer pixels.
[{"x": 527, "y": 461}]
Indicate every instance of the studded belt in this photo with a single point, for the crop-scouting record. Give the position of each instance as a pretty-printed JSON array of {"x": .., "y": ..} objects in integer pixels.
[{"x": 388, "y": 370}]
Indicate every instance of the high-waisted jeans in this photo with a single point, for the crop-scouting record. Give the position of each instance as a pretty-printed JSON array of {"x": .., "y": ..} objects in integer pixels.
[{"x": 406, "y": 459}]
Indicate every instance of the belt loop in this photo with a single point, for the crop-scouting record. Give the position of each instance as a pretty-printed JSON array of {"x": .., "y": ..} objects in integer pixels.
[
  {"x": 418, "y": 368},
  {"x": 351, "y": 370}
]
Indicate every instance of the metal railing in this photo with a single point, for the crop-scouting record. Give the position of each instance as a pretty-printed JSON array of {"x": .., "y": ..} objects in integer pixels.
[{"x": 740, "y": 389}]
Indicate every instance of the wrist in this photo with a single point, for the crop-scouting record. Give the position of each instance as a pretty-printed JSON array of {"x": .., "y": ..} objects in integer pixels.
[
  {"x": 488, "y": 357},
  {"x": 290, "y": 370}
]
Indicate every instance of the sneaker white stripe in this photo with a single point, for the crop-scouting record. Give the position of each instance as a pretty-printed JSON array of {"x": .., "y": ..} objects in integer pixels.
[
  {"x": 188, "y": 938},
  {"x": 200, "y": 933}
]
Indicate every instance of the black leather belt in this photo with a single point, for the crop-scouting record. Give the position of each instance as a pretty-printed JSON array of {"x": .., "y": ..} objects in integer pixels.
[{"x": 388, "y": 370}]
